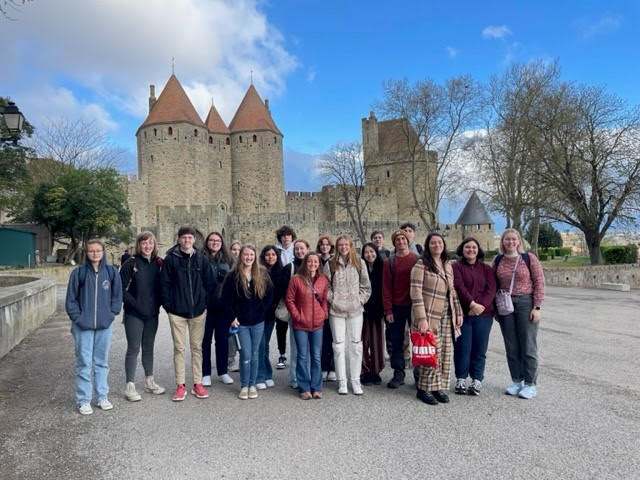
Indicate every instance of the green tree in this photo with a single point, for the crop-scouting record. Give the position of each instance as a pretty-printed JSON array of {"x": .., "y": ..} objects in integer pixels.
[
  {"x": 83, "y": 203},
  {"x": 548, "y": 236}
]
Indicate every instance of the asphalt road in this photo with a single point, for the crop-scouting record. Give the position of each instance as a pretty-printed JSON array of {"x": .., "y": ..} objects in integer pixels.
[{"x": 584, "y": 424}]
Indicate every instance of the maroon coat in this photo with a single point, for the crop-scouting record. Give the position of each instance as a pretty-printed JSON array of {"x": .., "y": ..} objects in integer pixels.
[
  {"x": 475, "y": 283},
  {"x": 306, "y": 312}
]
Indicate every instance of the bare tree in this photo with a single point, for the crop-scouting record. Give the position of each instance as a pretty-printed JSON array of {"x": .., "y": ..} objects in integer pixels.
[
  {"x": 10, "y": 8},
  {"x": 590, "y": 152},
  {"x": 506, "y": 149},
  {"x": 343, "y": 168},
  {"x": 436, "y": 118},
  {"x": 75, "y": 143}
]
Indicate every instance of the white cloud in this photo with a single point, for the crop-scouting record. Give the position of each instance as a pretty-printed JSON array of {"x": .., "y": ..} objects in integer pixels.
[
  {"x": 603, "y": 25},
  {"x": 452, "y": 52},
  {"x": 311, "y": 75},
  {"x": 495, "y": 31},
  {"x": 116, "y": 49}
]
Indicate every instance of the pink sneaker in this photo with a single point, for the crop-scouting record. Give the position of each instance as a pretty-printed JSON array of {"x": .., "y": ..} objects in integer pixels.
[
  {"x": 181, "y": 393},
  {"x": 199, "y": 391}
]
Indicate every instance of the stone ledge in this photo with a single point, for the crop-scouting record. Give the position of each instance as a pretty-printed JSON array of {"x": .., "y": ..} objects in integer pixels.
[{"x": 620, "y": 287}]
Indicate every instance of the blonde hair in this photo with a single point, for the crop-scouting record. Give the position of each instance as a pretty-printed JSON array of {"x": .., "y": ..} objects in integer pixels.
[
  {"x": 352, "y": 258},
  {"x": 259, "y": 275},
  {"x": 517, "y": 234},
  {"x": 146, "y": 236}
]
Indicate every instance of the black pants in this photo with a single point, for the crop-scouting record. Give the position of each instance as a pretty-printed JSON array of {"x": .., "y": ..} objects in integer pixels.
[
  {"x": 281, "y": 333},
  {"x": 215, "y": 324},
  {"x": 326, "y": 357},
  {"x": 139, "y": 333}
]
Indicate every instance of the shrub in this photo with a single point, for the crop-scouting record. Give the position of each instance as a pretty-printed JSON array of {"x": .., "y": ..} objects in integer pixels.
[
  {"x": 562, "y": 251},
  {"x": 620, "y": 254},
  {"x": 544, "y": 257}
]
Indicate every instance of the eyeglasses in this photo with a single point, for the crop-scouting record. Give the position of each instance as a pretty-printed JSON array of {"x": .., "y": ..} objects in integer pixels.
[{"x": 94, "y": 251}]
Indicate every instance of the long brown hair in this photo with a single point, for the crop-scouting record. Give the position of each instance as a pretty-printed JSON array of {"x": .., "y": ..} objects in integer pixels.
[
  {"x": 259, "y": 275},
  {"x": 352, "y": 258},
  {"x": 221, "y": 255},
  {"x": 304, "y": 269},
  {"x": 146, "y": 236}
]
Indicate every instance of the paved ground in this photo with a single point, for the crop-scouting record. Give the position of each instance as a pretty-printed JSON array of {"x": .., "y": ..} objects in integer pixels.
[{"x": 585, "y": 423}]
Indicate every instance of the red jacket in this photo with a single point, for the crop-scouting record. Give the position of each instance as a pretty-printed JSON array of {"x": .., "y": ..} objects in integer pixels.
[{"x": 306, "y": 312}]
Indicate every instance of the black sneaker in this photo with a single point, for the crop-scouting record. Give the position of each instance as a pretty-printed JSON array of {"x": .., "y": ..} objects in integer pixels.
[
  {"x": 461, "y": 386},
  {"x": 475, "y": 387},
  {"x": 397, "y": 380},
  {"x": 366, "y": 379},
  {"x": 426, "y": 397},
  {"x": 282, "y": 362},
  {"x": 376, "y": 379},
  {"x": 440, "y": 396}
]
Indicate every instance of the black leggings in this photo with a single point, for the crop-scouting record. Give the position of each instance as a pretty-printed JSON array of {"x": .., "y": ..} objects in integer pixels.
[
  {"x": 139, "y": 333},
  {"x": 215, "y": 324},
  {"x": 281, "y": 333}
]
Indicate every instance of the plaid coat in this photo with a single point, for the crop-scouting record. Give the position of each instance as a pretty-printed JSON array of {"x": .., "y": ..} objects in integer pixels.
[{"x": 429, "y": 296}]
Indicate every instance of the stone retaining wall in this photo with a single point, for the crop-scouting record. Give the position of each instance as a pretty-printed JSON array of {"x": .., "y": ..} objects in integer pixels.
[
  {"x": 60, "y": 273},
  {"x": 23, "y": 308},
  {"x": 593, "y": 276}
]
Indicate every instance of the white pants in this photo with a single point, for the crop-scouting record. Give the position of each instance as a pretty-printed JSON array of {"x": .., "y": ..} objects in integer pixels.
[{"x": 347, "y": 339}]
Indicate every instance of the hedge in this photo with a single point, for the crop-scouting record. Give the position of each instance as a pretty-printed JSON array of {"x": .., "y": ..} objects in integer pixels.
[{"x": 620, "y": 254}]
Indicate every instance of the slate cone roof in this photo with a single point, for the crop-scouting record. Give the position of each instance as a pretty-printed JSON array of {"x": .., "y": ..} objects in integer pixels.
[
  {"x": 214, "y": 122},
  {"x": 173, "y": 106},
  {"x": 252, "y": 114},
  {"x": 474, "y": 213}
]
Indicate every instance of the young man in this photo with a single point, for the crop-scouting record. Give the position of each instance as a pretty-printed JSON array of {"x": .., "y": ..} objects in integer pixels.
[
  {"x": 377, "y": 237},
  {"x": 410, "y": 229},
  {"x": 94, "y": 298},
  {"x": 186, "y": 281},
  {"x": 285, "y": 236},
  {"x": 396, "y": 301}
]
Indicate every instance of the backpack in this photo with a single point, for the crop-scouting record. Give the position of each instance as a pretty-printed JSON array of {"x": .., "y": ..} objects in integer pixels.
[{"x": 525, "y": 257}]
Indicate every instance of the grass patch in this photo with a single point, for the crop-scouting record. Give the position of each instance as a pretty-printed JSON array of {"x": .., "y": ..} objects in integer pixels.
[{"x": 560, "y": 262}]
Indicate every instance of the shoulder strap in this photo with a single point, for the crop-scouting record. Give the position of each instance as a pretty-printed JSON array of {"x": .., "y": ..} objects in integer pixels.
[
  {"x": 527, "y": 260},
  {"x": 496, "y": 261},
  {"x": 513, "y": 275}
]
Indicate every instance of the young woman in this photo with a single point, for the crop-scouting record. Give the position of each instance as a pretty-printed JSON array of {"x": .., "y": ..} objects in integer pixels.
[
  {"x": 94, "y": 298},
  {"x": 350, "y": 290},
  {"x": 248, "y": 293},
  {"x": 234, "y": 249},
  {"x": 233, "y": 364},
  {"x": 326, "y": 250},
  {"x": 435, "y": 307},
  {"x": 142, "y": 295},
  {"x": 307, "y": 303},
  {"x": 270, "y": 259},
  {"x": 476, "y": 287},
  {"x": 220, "y": 262},
  {"x": 373, "y": 323},
  {"x": 520, "y": 328}
]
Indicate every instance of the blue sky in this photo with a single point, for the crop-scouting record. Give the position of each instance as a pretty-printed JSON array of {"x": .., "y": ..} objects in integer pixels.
[{"x": 321, "y": 64}]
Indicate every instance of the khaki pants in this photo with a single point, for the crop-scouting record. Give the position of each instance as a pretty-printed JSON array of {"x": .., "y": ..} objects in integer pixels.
[{"x": 179, "y": 327}]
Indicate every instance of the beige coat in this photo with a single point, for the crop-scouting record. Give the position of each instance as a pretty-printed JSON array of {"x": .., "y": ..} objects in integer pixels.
[{"x": 349, "y": 289}]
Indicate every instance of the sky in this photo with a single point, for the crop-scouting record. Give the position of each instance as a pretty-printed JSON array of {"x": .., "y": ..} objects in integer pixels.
[{"x": 321, "y": 64}]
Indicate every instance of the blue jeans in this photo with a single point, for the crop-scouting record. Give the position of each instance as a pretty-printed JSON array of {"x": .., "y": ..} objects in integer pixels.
[
  {"x": 309, "y": 374},
  {"x": 470, "y": 349},
  {"x": 250, "y": 338},
  {"x": 265, "y": 372},
  {"x": 92, "y": 356}
]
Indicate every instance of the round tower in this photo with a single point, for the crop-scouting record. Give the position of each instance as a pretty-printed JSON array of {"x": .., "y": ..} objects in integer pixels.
[{"x": 257, "y": 175}]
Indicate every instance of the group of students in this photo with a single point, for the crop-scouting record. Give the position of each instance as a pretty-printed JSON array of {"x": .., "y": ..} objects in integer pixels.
[{"x": 337, "y": 304}]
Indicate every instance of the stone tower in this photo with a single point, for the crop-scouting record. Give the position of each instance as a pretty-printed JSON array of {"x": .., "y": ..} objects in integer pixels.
[
  {"x": 181, "y": 161},
  {"x": 389, "y": 147},
  {"x": 257, "y": 175},
  {"x": 474, "y": 221}
]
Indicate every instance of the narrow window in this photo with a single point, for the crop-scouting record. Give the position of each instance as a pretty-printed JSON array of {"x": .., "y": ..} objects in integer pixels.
[
  {"x": 228, "y": 142},
  {"x": 210, "y": 140},
  {"x": 240, "y": 137},
  {"x": 145, "y": 135},
  {"x": 195, "y": 132},
  {"x": 255, "y": 138},
  {"x": 388, "y": 174},
  {"x": 275, "y": 140},
  {"x": 170, "y": 131},
  {"x": 155, "y": 132},
  {"x": 220, "y": 163}
]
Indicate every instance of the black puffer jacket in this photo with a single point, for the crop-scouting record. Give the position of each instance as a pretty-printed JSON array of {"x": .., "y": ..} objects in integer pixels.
[
  {"x": 186, "y": 283},
  {"x": 248, "y": 311},
  {"x": 141, "y": 287}
]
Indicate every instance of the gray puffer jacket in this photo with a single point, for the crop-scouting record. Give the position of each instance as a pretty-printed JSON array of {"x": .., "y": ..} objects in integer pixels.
[{"x": 349, "y": 289}]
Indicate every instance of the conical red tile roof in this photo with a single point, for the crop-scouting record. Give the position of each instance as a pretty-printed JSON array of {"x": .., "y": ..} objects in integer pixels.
[
  {"x": 173, "y": 105},
  {"x": 252, "y": 114},
  {"x": 214, "y": 122}
]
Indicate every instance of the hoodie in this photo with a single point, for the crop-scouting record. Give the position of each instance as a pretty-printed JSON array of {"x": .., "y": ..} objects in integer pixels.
[{"x": 93, "y": 298}]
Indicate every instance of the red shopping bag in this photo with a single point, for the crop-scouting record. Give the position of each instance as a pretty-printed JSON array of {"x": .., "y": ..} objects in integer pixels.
[{"x": 423, "y": 351}]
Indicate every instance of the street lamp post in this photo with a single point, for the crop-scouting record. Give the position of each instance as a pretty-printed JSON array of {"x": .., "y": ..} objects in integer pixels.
[{"x": 13, "y": 120}]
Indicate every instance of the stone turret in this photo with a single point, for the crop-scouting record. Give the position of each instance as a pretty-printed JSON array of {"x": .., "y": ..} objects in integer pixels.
[{"x": 256, "y": 144}]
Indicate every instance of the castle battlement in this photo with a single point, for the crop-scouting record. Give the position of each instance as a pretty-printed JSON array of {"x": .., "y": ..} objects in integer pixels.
[{"x": 294, "y": 195}]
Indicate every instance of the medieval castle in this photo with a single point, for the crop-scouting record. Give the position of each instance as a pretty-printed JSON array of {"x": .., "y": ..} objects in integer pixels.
[{"x": 231, "y": 179}]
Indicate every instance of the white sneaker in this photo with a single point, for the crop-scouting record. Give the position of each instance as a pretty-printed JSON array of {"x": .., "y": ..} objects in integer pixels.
[
  {"x": 331, "y": 377},
  {"x": 342, "y": 387},
  {"x": 131, "y": 394},
  {"x": 150, "y": 386},
  {"x": 206, "y": 381},
  {"x": 514, "y": 388},
  {"x": 244, "y": 393},
  {"x": 85, "y": 409},
  {"x": 104, "y": 404},
  {"x": 324, "y": 376},
  {"x": 293, "y": 385},
  {"x": 269, "y": 383},
  {"x": 261, "y": 386},
  {"x": 226, "y": 379},
  {"x": 356, "y": 387},
  {"x": 253, "y": 392}
]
